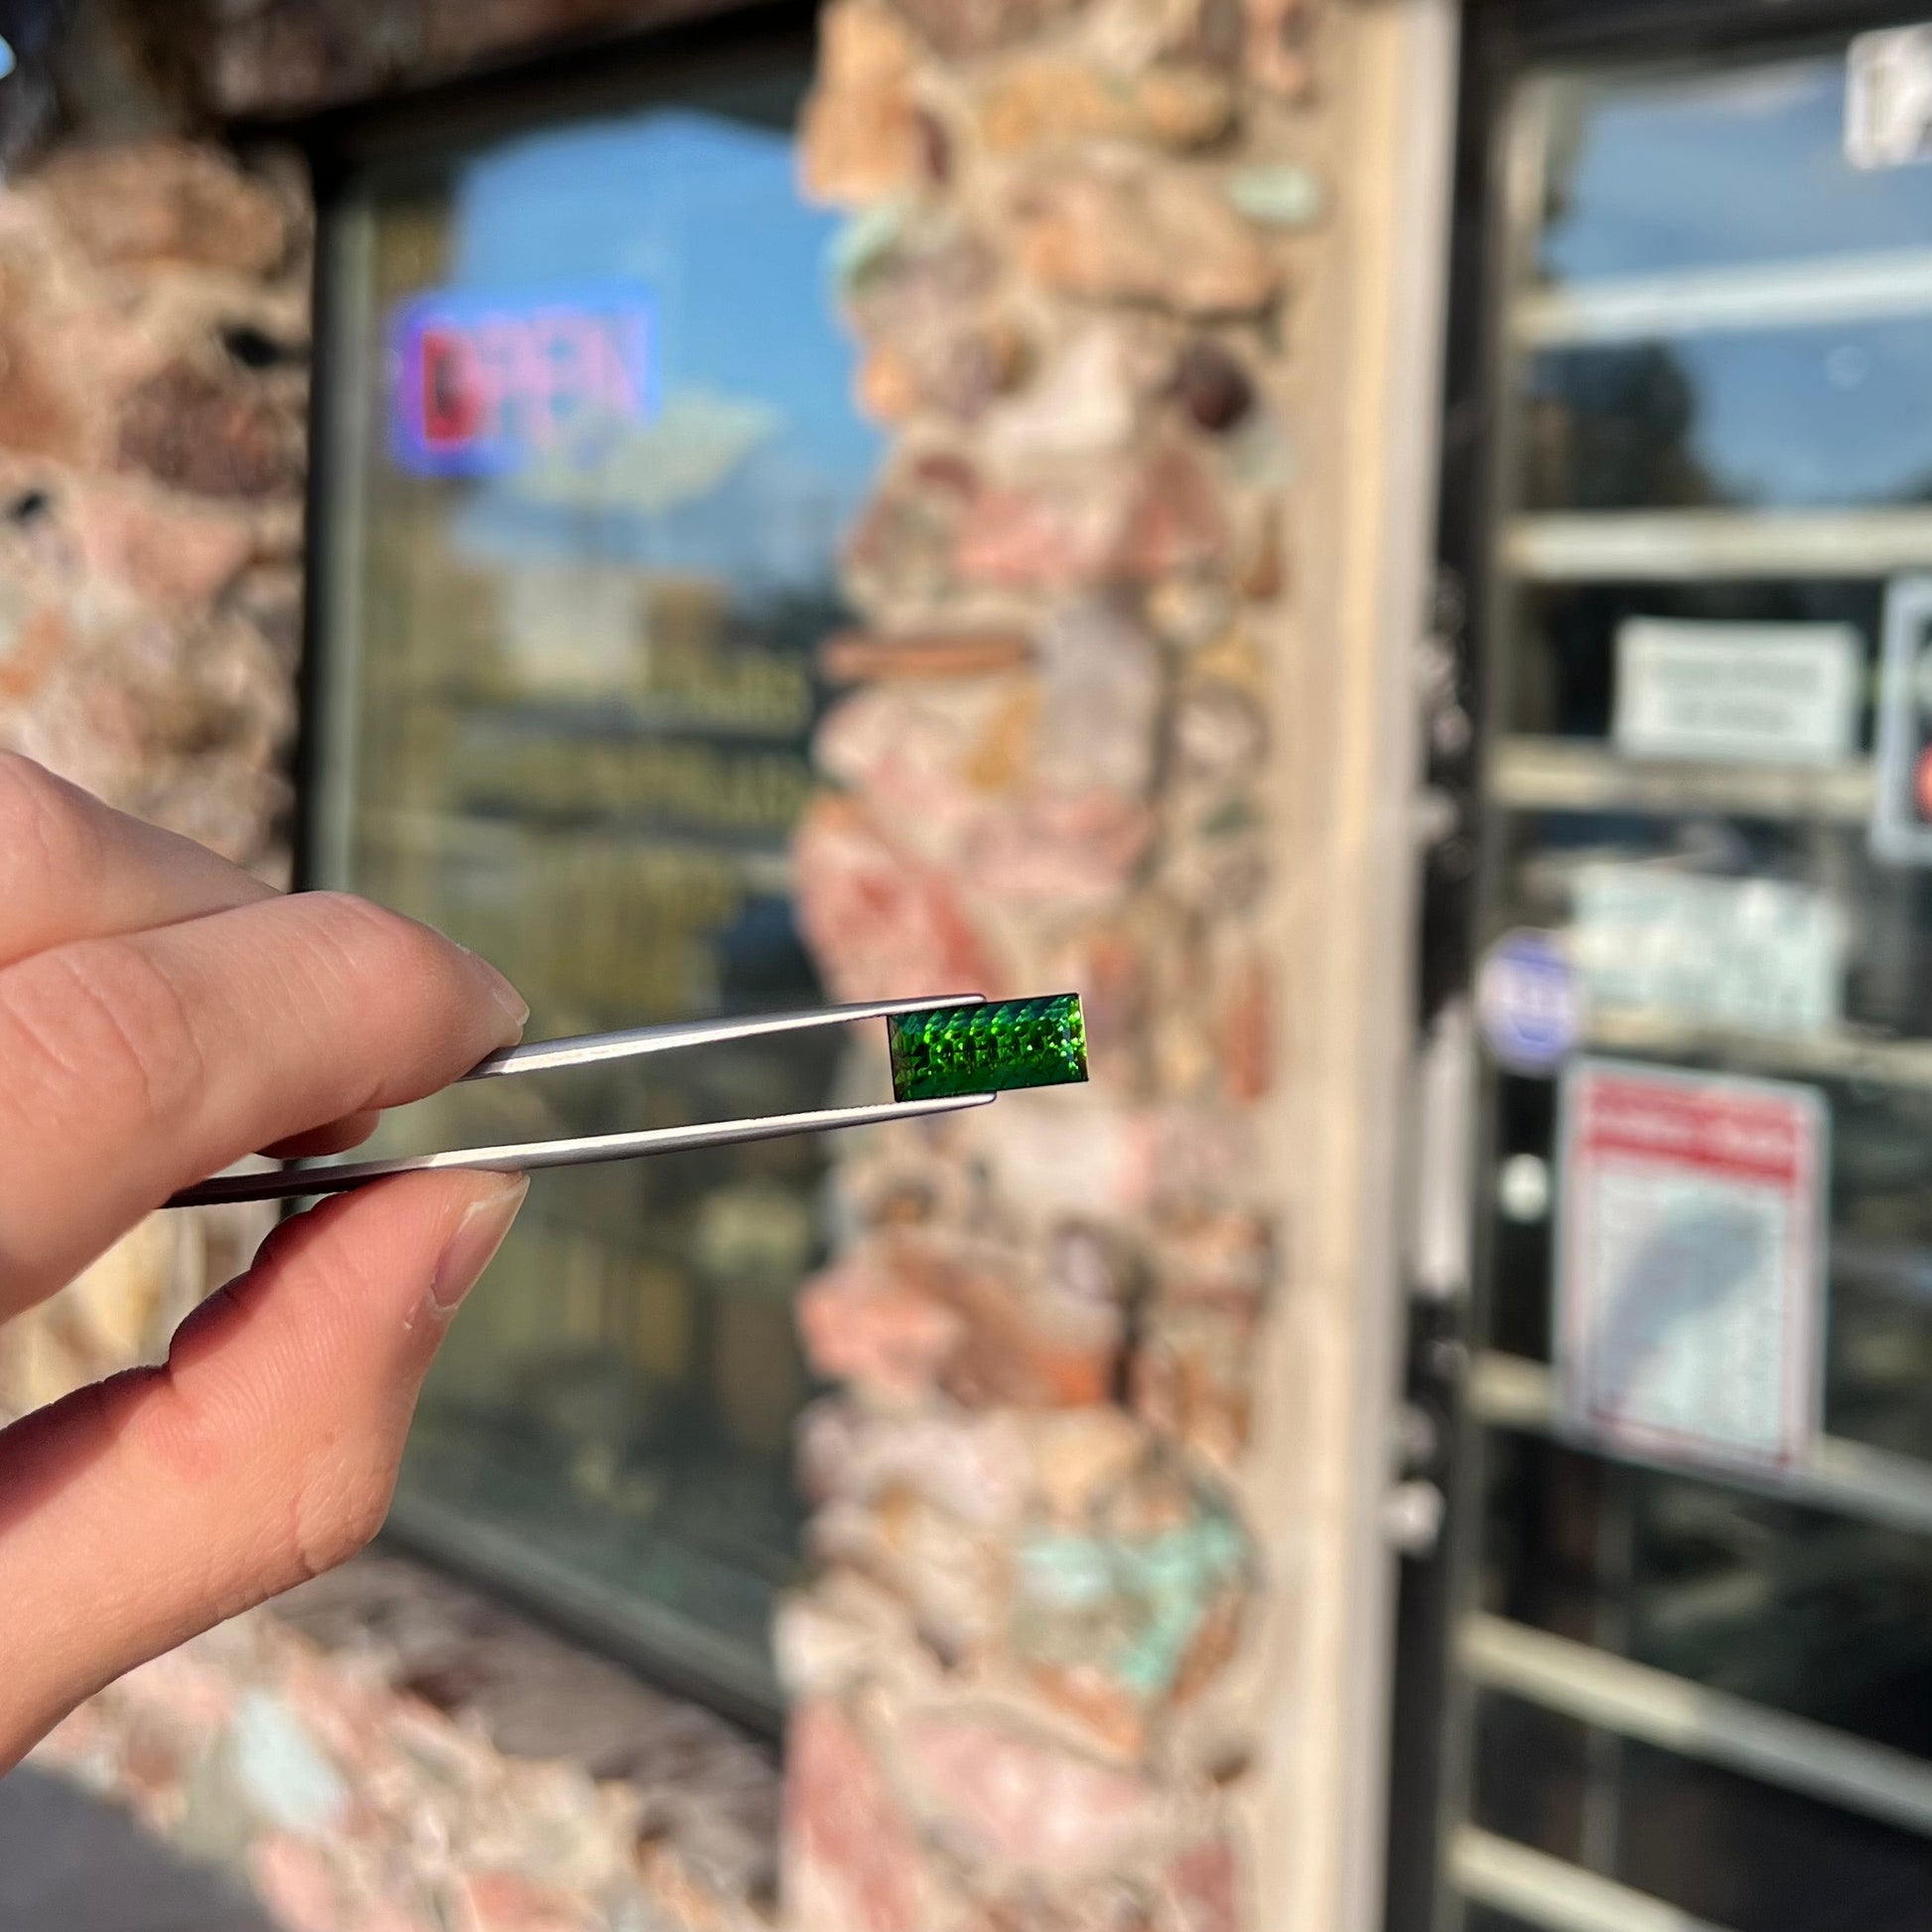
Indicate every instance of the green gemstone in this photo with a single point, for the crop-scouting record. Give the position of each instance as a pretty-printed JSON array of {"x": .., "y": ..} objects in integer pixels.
[{"x": 951, "y": 1052}]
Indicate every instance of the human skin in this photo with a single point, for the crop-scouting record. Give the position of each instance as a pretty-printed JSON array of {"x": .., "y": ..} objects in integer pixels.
[{"x": 162, "y": 1013}]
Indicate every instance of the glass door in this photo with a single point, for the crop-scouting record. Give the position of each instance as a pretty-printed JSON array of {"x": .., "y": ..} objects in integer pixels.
[
  {"x": 590, "y": 452},
  {"x": 1689, "y": 1649}
]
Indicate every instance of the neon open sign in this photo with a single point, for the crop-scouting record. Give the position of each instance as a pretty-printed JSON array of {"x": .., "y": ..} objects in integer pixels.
[{"x": 483, "y": 382}]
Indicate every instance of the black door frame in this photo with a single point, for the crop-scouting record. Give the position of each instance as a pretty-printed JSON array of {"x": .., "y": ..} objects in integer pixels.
[{"x": 1501, "y": 41}]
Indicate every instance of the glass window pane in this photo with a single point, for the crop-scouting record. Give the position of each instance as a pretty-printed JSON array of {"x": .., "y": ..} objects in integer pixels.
[
  {"x": 1565, "y": 663},
  {"x": 589, "y": 511},
  {"x": 1726, "y": 1850},
  {"x": 1649, "y": 174},
  {"x": 1792, "y": 418},
  {"x": 1799, "y": 1610}
]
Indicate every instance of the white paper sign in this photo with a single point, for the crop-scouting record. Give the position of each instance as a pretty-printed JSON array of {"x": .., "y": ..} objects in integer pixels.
[
  {"x": 1888, "y": 98},
  {"x": 1689, "y": 1284},
  {"x": 1738, "y": 693},
  {"x": 1756, "y": 954}
]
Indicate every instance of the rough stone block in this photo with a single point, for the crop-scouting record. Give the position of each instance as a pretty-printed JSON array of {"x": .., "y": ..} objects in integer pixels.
[
  {"x": 1279, "y": 42},
  {"x": 1193, "y": 1380},
  {"x": 212, "y": 437},
  {"x": 860, "y": 138},
  {"x": 851, "y": 1860},
  {"x": 1203, "y": 1886},
  {"x": 1114, "y": 231},
  {"x": 961, "y": 28},
  {"x": 1009, "y": 1794},
  {"x": 176, "y": 557},
  {"x": 165, "y": 202},
  {"x": 1077, "y": 851},
  {"x": 1063, "y": 99},
  {"x": 881, "y": 924},
  {"x": 861, "y": 657},
  {"x": 861, "y": 1324},
  {"x": 1131, "y": 1612}
]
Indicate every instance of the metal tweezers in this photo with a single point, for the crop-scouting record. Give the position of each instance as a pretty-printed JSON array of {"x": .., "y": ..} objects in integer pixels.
[{"x": 595, "y": 1050}]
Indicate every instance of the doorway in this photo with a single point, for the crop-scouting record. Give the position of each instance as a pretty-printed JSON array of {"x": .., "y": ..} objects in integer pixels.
[{"x": 1671, "y": 1664}]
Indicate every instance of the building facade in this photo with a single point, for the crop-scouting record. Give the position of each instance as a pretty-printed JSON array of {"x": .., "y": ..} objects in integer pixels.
[{"x": 1380, "y": 544}]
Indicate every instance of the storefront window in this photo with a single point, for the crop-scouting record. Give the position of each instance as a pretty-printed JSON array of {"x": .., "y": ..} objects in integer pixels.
[{"x": 591, "y": 454}]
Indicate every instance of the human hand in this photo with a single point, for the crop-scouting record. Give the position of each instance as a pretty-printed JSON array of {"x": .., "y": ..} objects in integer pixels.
[{"x": 161, "y": 1015}]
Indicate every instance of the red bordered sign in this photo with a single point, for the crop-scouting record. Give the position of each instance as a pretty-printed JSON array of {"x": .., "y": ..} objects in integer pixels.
[{"x": 1690, "y": 1279}]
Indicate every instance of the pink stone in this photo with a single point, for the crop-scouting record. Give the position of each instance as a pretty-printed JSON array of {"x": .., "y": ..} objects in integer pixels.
[
  {"x": 1025, "y": 1801},
  {"x": 911, "y": 751},
  {"x": 178, "y": 1690},
  {"x": 1279, "y": 31},
  {"x": 1204, "y": 1887},
  {"x": 1222, "y": 1257},
  {"x": 506, "y": 1901},
  {"x": 297, "y": 1883},
  {"x": 1175, "y": 522},
  {"x": 862, "y": 1325},
  {"x": 903, "y": 543},
  {"x": 1019, "y": 539},
  {"x": 43, "y": 409},
  {"x": 179, "y": 559},
  {"x": 852, "y": 1862},
  {"x": 1077, "y": 851},
  {"x": 975, "y": 1467},
  {"x": 880, "y": 925}
]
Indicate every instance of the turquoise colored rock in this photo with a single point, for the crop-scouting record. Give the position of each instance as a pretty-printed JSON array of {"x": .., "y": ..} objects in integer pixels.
[
  {"x": 1280, "y": 195},
  {"x": 861, "y": 243},
  {"x": 283, "y": 1773}
]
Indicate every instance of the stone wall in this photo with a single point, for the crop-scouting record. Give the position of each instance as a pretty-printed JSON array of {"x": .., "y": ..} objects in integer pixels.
[
  {"x": 1094, "y": 1493},
  {"x": 1081, "y": 234},
  {"x": 154, "y": 354}
]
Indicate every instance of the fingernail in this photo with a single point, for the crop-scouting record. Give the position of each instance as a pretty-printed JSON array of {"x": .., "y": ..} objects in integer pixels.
[
  {"x": 513, "y": 1005},
  {"x": 479, "y": 1235}
]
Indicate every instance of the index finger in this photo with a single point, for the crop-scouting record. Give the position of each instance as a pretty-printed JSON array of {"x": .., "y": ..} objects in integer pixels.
[
  {"x": 138, "y": 1064},
  {"x": 72, "y": 868}
]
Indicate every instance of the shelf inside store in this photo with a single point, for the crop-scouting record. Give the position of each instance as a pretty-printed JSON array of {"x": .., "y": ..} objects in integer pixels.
[
  {"x": 1532, "y": 1889},
  {"x": 635, "y": 720},
  {"x": 1840, "y": 1055},
  {"x": 504, "y": 837},
  {"x": 1564, "y": 775},
  {"x": 1808, "y": 293},
  {"x": 1696, "y": 545},
  {"x": 1676, "y": 1714},
  {"x": 1850, "y": 1478}
]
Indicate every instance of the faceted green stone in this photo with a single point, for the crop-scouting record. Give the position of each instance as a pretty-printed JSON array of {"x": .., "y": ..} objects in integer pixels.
[{"x": 952, "y": 1051}]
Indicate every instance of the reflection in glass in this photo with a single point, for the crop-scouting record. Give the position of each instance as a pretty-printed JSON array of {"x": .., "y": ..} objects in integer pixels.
[
  {"x": 1792, "y": 418},
  {"x": 1806, "y": 1612},
  {"x": 1702, "y": 168},
  {"x": 605, "y": 456},
  {"x": 1727, "y": 1850}
]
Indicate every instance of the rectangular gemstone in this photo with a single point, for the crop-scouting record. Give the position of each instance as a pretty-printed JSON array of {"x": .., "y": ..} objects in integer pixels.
[{"x": 953, "y": 1052}]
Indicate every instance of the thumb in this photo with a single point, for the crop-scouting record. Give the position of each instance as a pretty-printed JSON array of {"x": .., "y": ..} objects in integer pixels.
[{"x": 144, "y": 1509}]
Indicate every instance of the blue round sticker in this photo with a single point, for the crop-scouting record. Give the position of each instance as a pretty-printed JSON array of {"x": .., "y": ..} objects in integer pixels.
[{"x": 1530, "y": 1001}]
